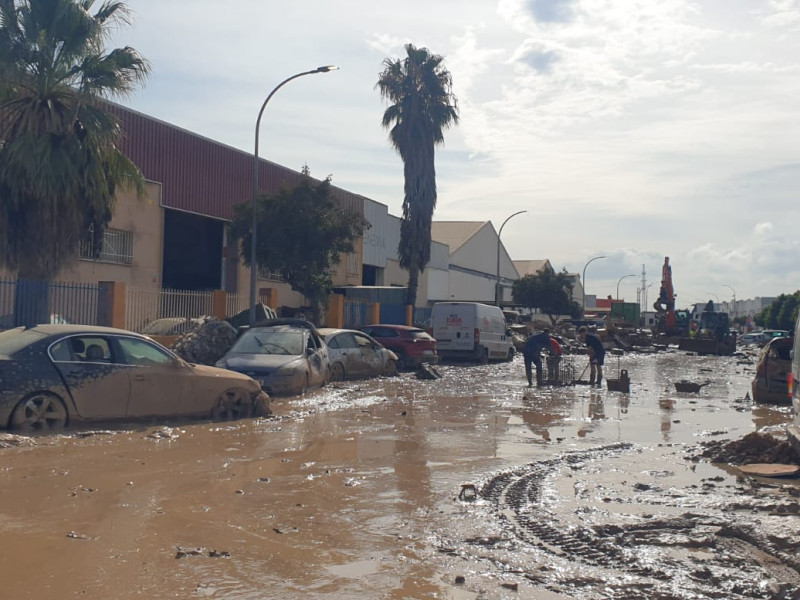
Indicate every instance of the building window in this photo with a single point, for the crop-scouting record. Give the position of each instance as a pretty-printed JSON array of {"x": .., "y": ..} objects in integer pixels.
[{"x": 116, "y": 247}]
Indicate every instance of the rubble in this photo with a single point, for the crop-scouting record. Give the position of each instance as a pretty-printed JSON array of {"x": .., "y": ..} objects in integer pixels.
[{"x": 206, "y": 344}]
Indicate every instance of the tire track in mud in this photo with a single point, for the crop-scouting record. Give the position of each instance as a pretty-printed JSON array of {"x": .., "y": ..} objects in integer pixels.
[{"x": 738, "y": 561}]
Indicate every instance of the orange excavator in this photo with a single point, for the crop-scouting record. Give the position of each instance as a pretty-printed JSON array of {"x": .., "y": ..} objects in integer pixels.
[
  {"x": 713, "y": 335},
  {"x": 669, "y": 322}
]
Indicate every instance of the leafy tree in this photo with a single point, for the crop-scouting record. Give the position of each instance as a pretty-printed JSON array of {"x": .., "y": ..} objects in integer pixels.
[
  {"x": 781, "y": 314},
  {"x": 60, "y": 168},
  {"x": 548, "y": 291},
  {"x": 422, "y": 105},
  {"x": 302, "y": 234}
]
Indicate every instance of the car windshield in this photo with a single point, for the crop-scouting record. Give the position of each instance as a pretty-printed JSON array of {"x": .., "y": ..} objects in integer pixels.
[
  {"x": 269, "y": 342},
  {"x": 14, "y": 340}
]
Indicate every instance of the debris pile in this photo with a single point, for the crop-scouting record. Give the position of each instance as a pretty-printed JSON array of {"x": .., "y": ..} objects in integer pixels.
[
  {"x": 206, "y": 344},
  {"x": 753, "y": 448}
]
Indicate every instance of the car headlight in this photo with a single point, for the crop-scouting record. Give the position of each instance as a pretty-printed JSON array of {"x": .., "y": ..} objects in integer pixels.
[{"x": 287, "y": 370}]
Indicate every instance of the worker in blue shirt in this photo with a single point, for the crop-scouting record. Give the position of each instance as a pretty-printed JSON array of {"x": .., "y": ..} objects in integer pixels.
[{"x": 532, "y": 353}]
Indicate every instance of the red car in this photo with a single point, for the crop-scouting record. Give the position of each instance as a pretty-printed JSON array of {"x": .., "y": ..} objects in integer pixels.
[{"x": 412, "y": 345}]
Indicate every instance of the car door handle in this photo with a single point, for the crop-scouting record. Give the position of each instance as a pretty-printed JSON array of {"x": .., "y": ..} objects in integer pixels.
[{"x": 139, "y": 377}]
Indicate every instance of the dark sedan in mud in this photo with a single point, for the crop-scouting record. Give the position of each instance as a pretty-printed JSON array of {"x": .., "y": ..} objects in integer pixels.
[{"x": 55, "y": 375}]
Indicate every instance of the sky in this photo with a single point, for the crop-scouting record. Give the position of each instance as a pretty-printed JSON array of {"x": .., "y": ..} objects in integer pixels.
[{"x": 628, "y": 129}]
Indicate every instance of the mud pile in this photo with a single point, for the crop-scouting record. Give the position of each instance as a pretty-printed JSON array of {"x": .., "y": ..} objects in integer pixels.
[
  {"x": 753, "y": 448},
  {"x": 206, "y": 344}
]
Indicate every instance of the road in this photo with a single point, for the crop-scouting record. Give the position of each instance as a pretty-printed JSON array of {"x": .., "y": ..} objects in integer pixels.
[{"x": 469, "y": 487}]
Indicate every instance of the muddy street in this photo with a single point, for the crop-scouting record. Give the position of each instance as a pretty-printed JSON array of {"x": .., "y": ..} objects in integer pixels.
[{"x": 472, "y": 486}]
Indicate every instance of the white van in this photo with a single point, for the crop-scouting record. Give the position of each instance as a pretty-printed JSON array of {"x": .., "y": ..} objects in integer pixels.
[{"x": 470, "y": 331}]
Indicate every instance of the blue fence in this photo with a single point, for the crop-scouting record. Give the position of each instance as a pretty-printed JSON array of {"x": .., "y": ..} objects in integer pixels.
[
  {"x": 30, "y": 302},
  {"x": 356, "y": 313},
  {"x": 393, "y": 314}
]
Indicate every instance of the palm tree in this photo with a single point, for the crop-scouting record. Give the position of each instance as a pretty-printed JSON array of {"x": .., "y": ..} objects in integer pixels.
[
  {"x": 419, "y": 89},
  {"x": 60, "y": 167}
]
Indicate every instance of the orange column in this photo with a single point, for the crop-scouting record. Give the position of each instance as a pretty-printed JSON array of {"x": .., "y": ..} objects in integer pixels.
[
  {"x": 269, "y": 296},
  {"x": 220, "y": 304},
  {"x": 113, "y": 309},
  {"x": 376, "y": 313},
  {"x": 336, "y": 311},
  {"x": 409, "y": 315}
]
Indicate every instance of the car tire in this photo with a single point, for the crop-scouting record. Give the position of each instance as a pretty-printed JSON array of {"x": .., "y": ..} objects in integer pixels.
[
  {"x": 484, "y": 357},
  {"x": 41, "y": 411},
  {"x": 337, "y": 372},
  {"x": 391, "y": 368},
  {"x": 232, "y": 404},
  {"x": 403, "y": 361},
  {"x": 260, "y": 404}
]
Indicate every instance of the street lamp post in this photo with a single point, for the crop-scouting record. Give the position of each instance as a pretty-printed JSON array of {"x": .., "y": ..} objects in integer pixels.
[
  {"x": 583, "y": 283},
  {"x": 253, "y": 226},
  {"x": 497, "y": 283},
  {"x": 620, "y": 281},
  {"x": 734, "y": 298}
]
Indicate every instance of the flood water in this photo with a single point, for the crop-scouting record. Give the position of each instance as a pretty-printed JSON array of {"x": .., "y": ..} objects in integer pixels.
[{"x": 472, "y": 486}]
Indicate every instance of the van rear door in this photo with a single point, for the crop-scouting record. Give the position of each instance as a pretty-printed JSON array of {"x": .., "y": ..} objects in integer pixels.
[{"x": 454, "y": 327}]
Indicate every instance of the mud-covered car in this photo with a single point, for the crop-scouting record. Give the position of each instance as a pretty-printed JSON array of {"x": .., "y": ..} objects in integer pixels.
[
  {"x": 770, "y": 383},
  {"x": 355, "y": 355},
  {"x": 413, "y": 346},
  {"x": 286, "y": 356},
  {"x": 55, "y": 375}
]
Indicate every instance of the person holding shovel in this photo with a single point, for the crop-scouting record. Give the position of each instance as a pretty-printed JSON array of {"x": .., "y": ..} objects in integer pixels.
[{"x": 597, "y": 354}]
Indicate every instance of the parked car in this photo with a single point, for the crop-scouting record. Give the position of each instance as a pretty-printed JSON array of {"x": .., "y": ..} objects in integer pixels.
[
  {"x": 412, "y": 345},
  {"x": 286, "y": 356},
  {"x": 55, "y": 375},
  {"x": 793, "y": 390},
  {"x": 355, "y": 355},
  {"x": 769, "y": 334},
  {"x": 749, "y": 338},
  {"x": 471, "y": 331},
  {"x": 770, "y": 383}
]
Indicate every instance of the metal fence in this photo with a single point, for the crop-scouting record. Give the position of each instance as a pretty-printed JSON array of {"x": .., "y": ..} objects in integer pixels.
[
  {"x": 23, "y": 302},
  {"x": 356, "y": 312},
  {"x": 144, "y": 306},
  {"x": 236, "y": 303}
]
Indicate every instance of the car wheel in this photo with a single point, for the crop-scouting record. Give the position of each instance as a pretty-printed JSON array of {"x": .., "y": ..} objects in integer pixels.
[
  {"x": 261, "y": 405},
  {"x": 403, "y": 360},
  {"x": 232, "y": 404},
  {"x": 391, "y": 368},
  {"x": 41, "y": 411},
  {"x": 484, "y": 358},
  {"x": 337, "y": 372}
]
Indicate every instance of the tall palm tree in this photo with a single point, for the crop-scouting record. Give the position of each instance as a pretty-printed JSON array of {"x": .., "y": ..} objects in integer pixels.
[
  {"x": 422, "y": 105},
  {"x": 60, "y": 166}
]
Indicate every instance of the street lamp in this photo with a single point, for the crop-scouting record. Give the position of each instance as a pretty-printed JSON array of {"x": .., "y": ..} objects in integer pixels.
[
  {"x": 734, "y": 298},
  {"x": 254, "y": 227},
  {"x": 497, "y": 284},
  {"x": 620, "y": 281},
  {"x": 583, "y": 283}
]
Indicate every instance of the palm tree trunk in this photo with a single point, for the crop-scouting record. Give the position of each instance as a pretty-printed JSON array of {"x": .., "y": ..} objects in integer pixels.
[{"x": 413, "y": 282}]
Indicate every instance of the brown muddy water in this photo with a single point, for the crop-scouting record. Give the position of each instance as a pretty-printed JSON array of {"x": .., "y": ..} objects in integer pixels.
[{"x": 469, "y": 487}]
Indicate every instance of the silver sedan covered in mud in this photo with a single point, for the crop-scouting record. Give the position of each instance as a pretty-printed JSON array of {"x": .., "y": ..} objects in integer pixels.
[
  {"x": 54, "y": 375},
  {"x": 286, "y": 356},
  {"x": 355, "y": 355}
]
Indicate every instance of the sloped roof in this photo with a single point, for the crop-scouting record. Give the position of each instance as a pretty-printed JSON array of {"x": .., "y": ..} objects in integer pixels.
[
  {"x": 455, "y": 233},
  {"x": 532, "y": 267}
]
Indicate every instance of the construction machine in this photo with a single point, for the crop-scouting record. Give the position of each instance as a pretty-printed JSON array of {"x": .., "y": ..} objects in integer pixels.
[
  {"x": 669, "y": 322},
  {"x": 711, "y": 336}
]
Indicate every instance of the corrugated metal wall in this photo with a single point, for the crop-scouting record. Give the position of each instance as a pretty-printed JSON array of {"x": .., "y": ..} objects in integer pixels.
[{"x": 200, "y": 175}]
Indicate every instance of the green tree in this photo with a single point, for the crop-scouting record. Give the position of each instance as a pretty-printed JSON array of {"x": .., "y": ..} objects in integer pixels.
[
  {"x": 302, "y": 234},
  {"x": 548, "y": 291},
  {"x": 422, "y": 105},
  {"x": 60, "y": 168},
  {"x": 781, "y": 314}
]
